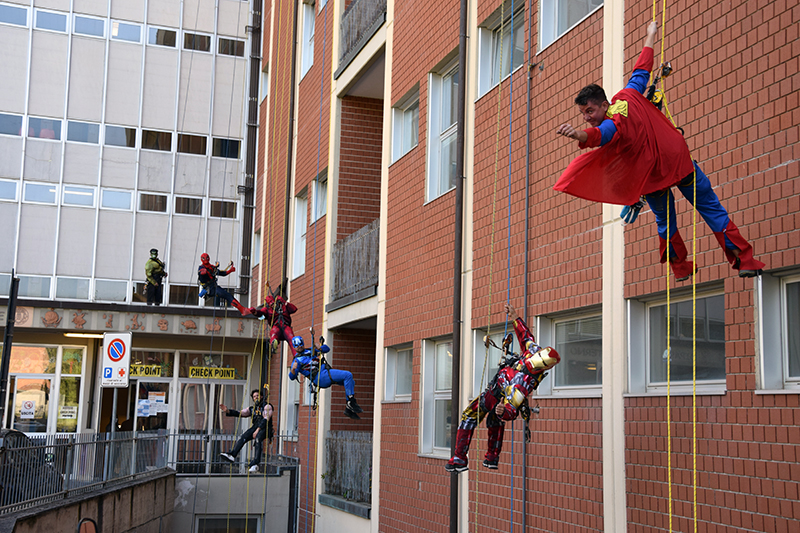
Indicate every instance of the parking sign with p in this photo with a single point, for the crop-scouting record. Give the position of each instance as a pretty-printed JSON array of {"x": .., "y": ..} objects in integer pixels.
[{"x": 116, "y": 359}]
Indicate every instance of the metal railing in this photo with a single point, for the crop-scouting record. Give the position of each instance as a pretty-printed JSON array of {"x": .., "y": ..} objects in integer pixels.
[
  {"x": 355, "y": 261},
  {"x": 360, "y": 21},
  {"x": 348, "y": 457}
]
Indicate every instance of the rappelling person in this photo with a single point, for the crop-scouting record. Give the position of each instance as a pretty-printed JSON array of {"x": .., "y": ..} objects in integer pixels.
[{"x": 207, "y": 274}]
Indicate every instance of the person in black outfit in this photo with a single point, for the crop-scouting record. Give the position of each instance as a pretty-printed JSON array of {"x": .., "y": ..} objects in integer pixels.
[{"x": 261, "y": 429}]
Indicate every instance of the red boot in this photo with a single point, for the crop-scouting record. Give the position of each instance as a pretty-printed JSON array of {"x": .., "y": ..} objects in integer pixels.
[
  {"x": 682, "y": 268},
  {"x": 242, "y": 309},
  {"x": 459, "y": 462},
  {"x": 741, "y": 257}
]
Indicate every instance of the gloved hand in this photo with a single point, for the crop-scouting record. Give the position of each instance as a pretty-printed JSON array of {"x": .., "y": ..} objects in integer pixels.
[
  {"x": 527, "y": 434},
  {"x": 631, "y": 212},
  {"x": 231, "y": 269}
]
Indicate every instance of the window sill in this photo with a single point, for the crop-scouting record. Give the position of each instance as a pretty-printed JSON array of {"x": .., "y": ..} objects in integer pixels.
[{"x": 359, "y": 509}]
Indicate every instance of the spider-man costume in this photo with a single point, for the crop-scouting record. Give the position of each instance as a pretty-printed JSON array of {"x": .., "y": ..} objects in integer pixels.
[
  {"x": 277, "y": 311},
  {"x": 207, "y": 274}
]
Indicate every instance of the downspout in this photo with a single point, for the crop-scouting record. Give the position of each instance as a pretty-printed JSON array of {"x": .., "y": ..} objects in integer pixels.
[
  {"x": 289, "y": 149},
  {"x": 455, "y": 410},
  {"x": 245, "y": 275},
  {"x": 527, "y": 252}
]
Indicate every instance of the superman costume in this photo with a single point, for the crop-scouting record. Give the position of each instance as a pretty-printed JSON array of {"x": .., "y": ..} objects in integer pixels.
[{"x": 642, "y": 154}]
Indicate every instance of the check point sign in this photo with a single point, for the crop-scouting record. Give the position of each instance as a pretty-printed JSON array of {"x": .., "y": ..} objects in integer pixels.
[{"x": 116, "y": 360}]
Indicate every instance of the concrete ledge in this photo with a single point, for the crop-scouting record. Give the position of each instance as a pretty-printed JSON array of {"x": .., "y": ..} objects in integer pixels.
[
  {"x": 363, "y": 294},
  {"x": 355, "y": 508}
]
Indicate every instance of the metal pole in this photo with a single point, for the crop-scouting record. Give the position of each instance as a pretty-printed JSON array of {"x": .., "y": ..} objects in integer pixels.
[
  {"x": 7, "y": 341},
  {"x": 455, "y": 411}
]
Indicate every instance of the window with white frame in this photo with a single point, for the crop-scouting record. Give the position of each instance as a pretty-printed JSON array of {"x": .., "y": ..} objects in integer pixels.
[
  {"x": 44, "y": 128},
  {"x": 34, "y": 287},
  {"x": 51, "y": 20},
  {"x": 196, "y": 41},
  {"x": 15, "y": 15},
  {"x": 437, "y": 397},
  {"x": 442, "y": 122},
  {"x": 501, "y": 46},
  {"x": 486, "y": 360},
  {"x": 777, "y": 334},
  {"x": 40, "y": 193},
  {"x": 91, "y": 26},
  {"x": 120, "y": 136},
  {"x": 264, "y": 83},
  {"x": 78, "y": 195},
  {"x": 5, "y": 285},
  {"x": 185, "y": 205},
  {"x": 579, "y": 342},
  {"x": 222, "y": 209},
  {"x": 125, "y": 31},
  {"x": 10, "y": 124},
  {"x": 399, "y": 373},
  {"x": 256, "y": 253},
  {"x": 110, "y": 290},
  {"x": 292, "y": 407},
  {"x": 83, "y": 132},
  {"x": 307, "y": 53},
  {"x": 405, "y": 125},
  {"x": 230, "y": 47},
  {"x": 557, "y": 17},
  {"x": 72, "y": 288},
  {"x": 116, "y": 199},
  {"x": 300, "y": 228},
  {"x": 320, "y": 195},
  {"x": 153, "y": 202},
  {"x": 652, "y": 365},
  {"x": 8, "y": 190},
  {"x": 161, "y": 37}
]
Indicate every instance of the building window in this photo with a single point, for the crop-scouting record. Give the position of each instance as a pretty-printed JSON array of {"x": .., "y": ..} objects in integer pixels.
[
  {"x": 10, "y": 125},
  {"x": 153, "y": 202},
  {"x": 293, "y": 406},
  {"x": 161, "y": 37},
  {"x": 778, "y": 337},
  {"x": 74, "y": 195},
  {"x": 399, "y": 373},
  {"x": 230, "y": 47},
  {"x": 44, "y": 128},
  {"x": 501, "y": 47},
  {"x": 119, "y": 136},
  {"x": 83, "y": 132},
  {"x": 436, "y": 392},
  {"x": 16, "y": 15},
  {"x": 300, "y": 228},
  {"x": 264, "y": 83},
  {"x": 405, "y": 125},
  {"x": 557, "y": 17},
  {"x": 648, "y": 356},
  {"x": 225, "y": 148},
  {"x": 192, "y": 144},
  {"x": 89, "y": 26},
  {"x": 40, "y": 193},
  {"x": 579, "y": 342},
  {"x": 48, "y": 20},
  {"x": 196, "y": 41},
  {"x": 114, "y": 199},
  {"x": 256, "y": 253},
  {"x": 442, "y": 140},
  {"x": 223, "y": 209},
  {"x": 8, "y": 190},
  {"x": 123, "y": 31},
  {"x": 5, "y": 284},
  {"x": 110, "y": 291},
  {"x": 320, "y": 195},
  {"x": 486, "y": 361},
  {"x": 34, "y": 287},
  {"x": 72, "y": 288},
  {"x": 188, "y": 206},
  {"x": 184, "y": 295},
  {"x": 156, "y": 140},
  {"x": 307, "y": 53}
]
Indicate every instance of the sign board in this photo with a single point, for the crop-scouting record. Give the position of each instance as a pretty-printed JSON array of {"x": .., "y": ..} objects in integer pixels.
[
  {"x": 28, "y": 409},
  {"x": 116, "y": 360},
  {"x": 68, "y": 412},
  {"x": 206, "y": 372}
]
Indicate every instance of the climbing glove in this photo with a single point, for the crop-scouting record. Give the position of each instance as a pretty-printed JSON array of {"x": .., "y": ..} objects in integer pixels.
[{"x": 631, "y": 212}]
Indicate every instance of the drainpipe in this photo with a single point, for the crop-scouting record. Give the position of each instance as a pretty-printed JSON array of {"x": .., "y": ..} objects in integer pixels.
[
  {"x": 527, "y": 252},
  {"x": 457, "y": 263},
  {"x": 289, "y": 149},
  {"x": 245, "y": 272}
]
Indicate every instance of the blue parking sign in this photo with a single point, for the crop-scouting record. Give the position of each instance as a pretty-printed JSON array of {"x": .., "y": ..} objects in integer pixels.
[{"x": 107, "y": 372}]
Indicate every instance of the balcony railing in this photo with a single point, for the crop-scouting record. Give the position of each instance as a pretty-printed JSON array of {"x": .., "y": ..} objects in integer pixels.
[
  {"x": 360, "y": 21},
  {"x": 348, "y": 456},
  {"x": 355, "y": 265}
]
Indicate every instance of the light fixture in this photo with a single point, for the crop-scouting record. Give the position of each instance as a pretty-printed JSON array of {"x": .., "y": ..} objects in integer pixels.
[{"x": 84, "y": 335}]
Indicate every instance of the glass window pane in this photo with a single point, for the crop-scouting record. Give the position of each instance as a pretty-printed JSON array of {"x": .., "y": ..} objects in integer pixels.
[
  {"x": 184, "y": 295},
  {"x": 225, "y": 148},
  {"x": 31, "y": 403},
  {"x": 14, "y": 15},
  {"x": 449, "y": 100},
  {"x": 152, "y": 404},
  {"x": 793, "y": 332},
  {"x": 227, "y": 525},
  {"x": 192, "y": 144},
  {"x": 5, "y": 287},
  {"x": 113, "y": 291},
  {"x": 161, "y": 37},
  {"x": 40, "y": 192},
  {"x": 442, "y": 421},
  {"x": 78, "y": 196},
  {"x": 444, "y": 366},
  {"x": 10, "y": 124},
  {"x": 126, "y": 32},
  {"x": 83, "y": 132},
  {"x": 158, "y": 364},
  {"x": 193, "y": 407},
  {"x": 33, "y": 359},
  {"x": 34, "y": 287},
  {"x": 223, "y": 209},
  {"x": 71, "y": 360},
  {"x": 90, "y": 26},
  {"x": 188, "y": 206},
  {"x": 68, "y": 400},
  {"x": 710, "y": 351},
  {"x": 580, "y": 345},
  {"x": 404, "y": 372},
  {"x": 447, "y": 173},
  {"x": 119, "y": 136},
  {"x": 44, "y": 128},
  {"x": 72, "y": 288},
  {"x": 230, "y": 47},
  {"x": 193, "y": 41},
  {"x": 116, "y": 199},
  {"x": 51, "y": 21},
  {"x": 153, "y": 202},
  {"x": 231, "y": 396},
  {"x": 156, "y": 140},
  {"x": 8, "y": 190},
  {"x": 486, "y": 363}
]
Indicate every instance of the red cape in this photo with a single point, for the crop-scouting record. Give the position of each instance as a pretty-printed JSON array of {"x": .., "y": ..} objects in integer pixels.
[{"x": 646, "y": 155}]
